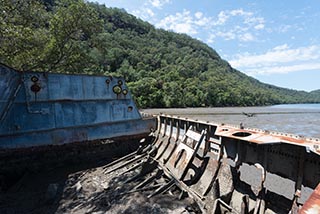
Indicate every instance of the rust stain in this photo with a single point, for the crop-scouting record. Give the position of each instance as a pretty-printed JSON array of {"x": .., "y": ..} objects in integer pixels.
[
  {"x": 265, "y": 137},
  {"x": 312, "y": 205},
  {"x": 256, "y": 136}
]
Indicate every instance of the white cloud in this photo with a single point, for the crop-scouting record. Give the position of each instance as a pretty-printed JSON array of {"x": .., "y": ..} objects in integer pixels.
[
  {"x": 185, "y": 22},
  {"x": 180, "y": 22},
  {"x": 279, "y": 54},
  {"x": 280, "y": 59},
  {"x": 259, "y": 27},
  {"x": 184, "y": 28},
  {"x": 229, "y": 24},
  {"x": 211, "y": 38},
  {"x": 202, "y": 21},
  {"x": 251, "y": 20},
  {"x": 237, "y": 25},
  {"x": 149, "y": 12},
  {"x": 283, "y": 69},
  {"x": 284, "y": 28},
  {"x": 230, "y": 35},
  {"x": 247, "y": 18},
  {"x": 281, "y": 47},
  {"x": 144, "y": 13},
  {"x": 198, "y": 15},
  {"x": 240, "y": 12},
  {"x": 222, "y": 18},
  {"x": 158, "y": 3},
  {"x": 240, "y": 33},
  {"x": 246, "y": 37}
]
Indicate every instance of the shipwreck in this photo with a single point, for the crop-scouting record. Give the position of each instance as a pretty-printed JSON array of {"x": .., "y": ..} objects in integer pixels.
[{"x": 153, "y": 163}]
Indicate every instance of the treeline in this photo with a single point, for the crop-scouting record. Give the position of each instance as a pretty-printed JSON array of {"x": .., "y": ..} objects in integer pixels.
[{"x": 162, "y": 68}]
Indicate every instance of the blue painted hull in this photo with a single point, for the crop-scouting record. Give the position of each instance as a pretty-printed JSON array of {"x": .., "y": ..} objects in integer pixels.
[{"x": 39, "y": 109}]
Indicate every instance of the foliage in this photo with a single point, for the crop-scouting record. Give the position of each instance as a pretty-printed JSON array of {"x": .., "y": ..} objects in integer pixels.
[
  {"x": 23, "y": 33},
  {"x": 72, "y": 27},
  {"x": 163, "y": 69}
]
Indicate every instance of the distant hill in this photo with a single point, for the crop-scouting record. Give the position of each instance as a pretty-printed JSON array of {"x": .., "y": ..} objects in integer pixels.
[
  {"x": 162, "y": 68},
  {"x": 315, "y": 92}
]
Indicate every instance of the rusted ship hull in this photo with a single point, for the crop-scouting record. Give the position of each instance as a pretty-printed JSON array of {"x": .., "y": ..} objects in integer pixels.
[
  {"x": 203, "y": 167},
  {"x": 180, "y": 166}
]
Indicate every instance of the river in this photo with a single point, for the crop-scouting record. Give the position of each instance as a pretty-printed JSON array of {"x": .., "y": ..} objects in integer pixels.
[{"x": 298, "y": 119}]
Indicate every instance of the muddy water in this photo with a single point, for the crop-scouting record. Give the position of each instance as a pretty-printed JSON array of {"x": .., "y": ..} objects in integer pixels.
[{"x": 301, "y": 119}]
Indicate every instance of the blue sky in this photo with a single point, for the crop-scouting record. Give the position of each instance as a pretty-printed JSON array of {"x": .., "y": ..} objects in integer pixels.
[{"x": 276, "y": 42}]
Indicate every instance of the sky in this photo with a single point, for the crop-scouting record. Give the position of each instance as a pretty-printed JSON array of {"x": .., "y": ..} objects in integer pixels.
[{"x": 276, "y": 42}]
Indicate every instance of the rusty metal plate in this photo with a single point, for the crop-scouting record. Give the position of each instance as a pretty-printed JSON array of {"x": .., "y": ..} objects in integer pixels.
[
  {"x": 202, "y": 186},
  {"x": 312, "y": 205},
  {"x": 265, "y": 137},
  {"x": 167, "y": 152},
  {"x": 162, "y": 145},
  {"x": 180, "y": 160}
]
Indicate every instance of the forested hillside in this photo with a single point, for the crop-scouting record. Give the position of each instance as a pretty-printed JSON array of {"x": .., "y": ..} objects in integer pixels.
[{"x": 163, "y": 69}]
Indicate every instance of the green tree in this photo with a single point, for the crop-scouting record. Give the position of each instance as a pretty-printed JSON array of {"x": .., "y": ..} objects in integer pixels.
[
  {"x": 147, "y": 93},
  {"x": 23, "y": 33},
  {"x": 72, "y": 28},
  {"x": 164, "y": 69}
]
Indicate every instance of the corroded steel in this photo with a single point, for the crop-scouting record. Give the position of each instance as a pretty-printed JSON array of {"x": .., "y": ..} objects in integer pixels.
[
  {"x": 266, "y": 137},
  {"x": 183, "y": 155},
  {"x": 202, "y": 167},
  {"x": 312, "y": 205},
  {"x": 231, "y": 169}
]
